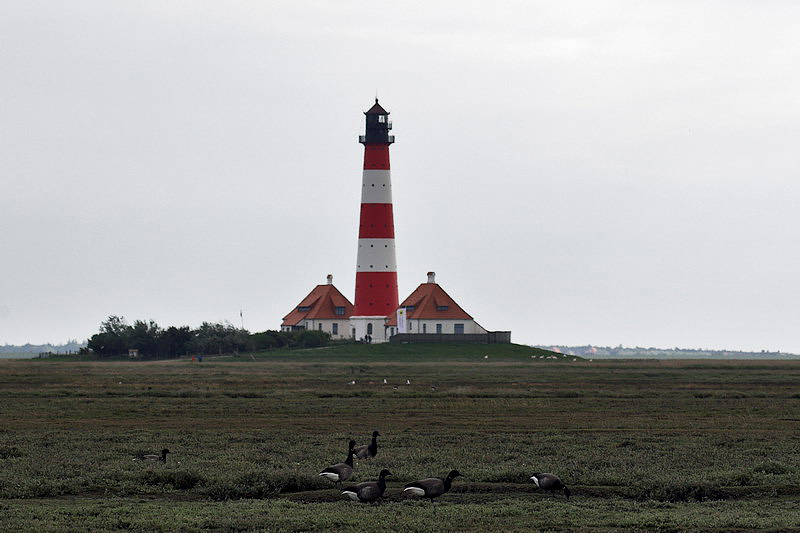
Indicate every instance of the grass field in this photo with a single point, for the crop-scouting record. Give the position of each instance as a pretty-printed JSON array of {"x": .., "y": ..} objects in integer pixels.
[{"x": 643, "y": 445}]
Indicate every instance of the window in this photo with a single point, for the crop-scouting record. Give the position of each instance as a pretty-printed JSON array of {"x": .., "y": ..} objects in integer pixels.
[
  {"x": 438, "y": 329},
  {"x": 304, "y": 308},
  {"x": 382, "y": 119},
  {"x": 410, "y": 307},
  {"x": 320, "y": 326},
  {"x": 369, "y": 328},
  {"x": 458, "y": 329},
  {"x": 442, "y": 308},
  {"x": 424, "y": 327},
  {"x": 339, "y": 310},
  {"x": 334, "y": 328}
]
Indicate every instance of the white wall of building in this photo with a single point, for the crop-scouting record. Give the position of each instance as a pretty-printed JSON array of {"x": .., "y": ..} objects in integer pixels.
[
  {"x": 361, "y": 325},
  {"x": 380, "y": 333},
  {"x": 448, "y": 326}
]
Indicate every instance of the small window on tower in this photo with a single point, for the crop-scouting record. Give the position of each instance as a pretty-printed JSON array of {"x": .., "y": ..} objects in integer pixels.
[{"x": 382, "y": 119}]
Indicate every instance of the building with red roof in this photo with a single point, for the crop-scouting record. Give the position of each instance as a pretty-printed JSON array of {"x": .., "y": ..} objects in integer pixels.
[
  {"x": 429, "y": 309},
  {"x": 324, "y": 309}
]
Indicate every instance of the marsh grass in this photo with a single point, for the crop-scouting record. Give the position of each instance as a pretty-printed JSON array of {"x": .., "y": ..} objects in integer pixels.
[{"x": 643, "y": 444}]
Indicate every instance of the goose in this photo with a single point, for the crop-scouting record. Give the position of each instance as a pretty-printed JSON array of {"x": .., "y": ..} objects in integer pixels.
[
  {"x": 431, "y": 487},
  {"x": 340, "y": 471},
  {"x": 367, "y": 491},
  {"x": 549, "y": 482},
  {"x": 155, "y": 457},
  {"x": 368, "y": 451}
]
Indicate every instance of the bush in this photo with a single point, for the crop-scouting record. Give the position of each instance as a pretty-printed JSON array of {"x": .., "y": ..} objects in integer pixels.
[
  {"x": 771, "y": 467},
  {"x": 178, "y": 479}
]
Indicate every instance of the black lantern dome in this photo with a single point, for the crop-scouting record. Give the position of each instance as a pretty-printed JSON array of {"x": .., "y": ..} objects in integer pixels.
[{"x": 378, "y": 126}]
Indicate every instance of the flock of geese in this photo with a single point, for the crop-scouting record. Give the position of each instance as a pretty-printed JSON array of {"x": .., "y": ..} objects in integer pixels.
[
  {"x": 432, "y": 487},
  {"x": 372, "y": 491}
]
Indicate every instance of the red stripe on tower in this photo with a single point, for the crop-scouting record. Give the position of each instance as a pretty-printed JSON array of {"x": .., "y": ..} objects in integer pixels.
[{"x": 376, "y": 274}]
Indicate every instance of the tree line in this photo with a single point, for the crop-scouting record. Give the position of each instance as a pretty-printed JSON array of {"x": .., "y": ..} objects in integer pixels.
[{"x": 117, "y": 337}]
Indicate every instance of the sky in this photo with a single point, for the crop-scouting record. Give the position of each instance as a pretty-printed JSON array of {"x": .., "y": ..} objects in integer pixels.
[{"x": 576, "y": 172}]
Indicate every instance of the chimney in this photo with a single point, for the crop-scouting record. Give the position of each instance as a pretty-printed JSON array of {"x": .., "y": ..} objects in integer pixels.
[
  {"x": 431, "y": 277},
  {"x": 330, "y": 279}
]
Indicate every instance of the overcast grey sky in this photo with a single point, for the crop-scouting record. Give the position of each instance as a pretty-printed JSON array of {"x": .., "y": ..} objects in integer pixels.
[{"x": 577, "y": 172}]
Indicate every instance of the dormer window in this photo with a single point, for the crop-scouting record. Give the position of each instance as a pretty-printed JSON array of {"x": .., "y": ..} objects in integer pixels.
[
  {"x": 410, "y": 307},
  {"x": 339, "y": 310},
  {"x": 442, "y": 308},
  {"x": 304, "y": 308}
]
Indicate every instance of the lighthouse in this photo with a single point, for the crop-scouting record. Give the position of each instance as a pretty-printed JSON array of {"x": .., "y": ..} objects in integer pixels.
[{"x": 376, "y": 264}]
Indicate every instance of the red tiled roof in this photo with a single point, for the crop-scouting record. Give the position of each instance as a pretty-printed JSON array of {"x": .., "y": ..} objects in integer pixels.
[
  {"x": 427, "y": 299},
  {"x": 322, "y": 303},
  {"x": 376, "y": 109}
]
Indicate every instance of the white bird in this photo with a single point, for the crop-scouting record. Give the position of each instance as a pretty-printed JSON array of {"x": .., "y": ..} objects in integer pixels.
[
  {"x": 384, "y": 381},
  {"x": 486, "y": 357},
  {"x": 351, "y": 382},
  {"x": 408, "y": 382}
]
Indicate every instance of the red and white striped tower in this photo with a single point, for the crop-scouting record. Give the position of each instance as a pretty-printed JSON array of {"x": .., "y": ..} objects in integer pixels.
[{"x": 376, "y": 274}]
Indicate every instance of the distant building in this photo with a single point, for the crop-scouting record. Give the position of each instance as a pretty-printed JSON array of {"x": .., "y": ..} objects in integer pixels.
[{"x": 324, "y": 309}]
